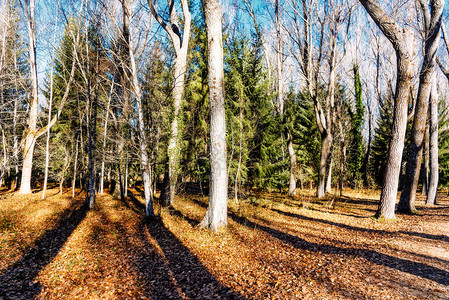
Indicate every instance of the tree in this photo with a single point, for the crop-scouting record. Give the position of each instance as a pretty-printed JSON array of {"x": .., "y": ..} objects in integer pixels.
[
  {"x": 432, "y": 12},
  {"x": 180, "y": 41},
  {"x": 401, "y": 39},
  {"x": 356, "y": 150},
  {"x": 32, "y": 133},
  {"x": 216, "y": 214},
  {"x": 433, "y": 146}
]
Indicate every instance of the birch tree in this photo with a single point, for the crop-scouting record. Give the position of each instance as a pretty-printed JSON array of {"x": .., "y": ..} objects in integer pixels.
[
  {"x": 32, "y": 133},
  {"x": 180, "y": 41},
  {"x": 144, "y": 160},
  {"x": 216, "y": 214}
]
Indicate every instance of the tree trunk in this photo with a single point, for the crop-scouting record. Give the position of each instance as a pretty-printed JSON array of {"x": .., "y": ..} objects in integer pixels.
[
  {"x": 425, "y": 184},
  {"x": 292, "y": 156},
  {"x": 433, "y": 148},
  {"x": 180, "y": 44},
  {"x": 432, "y": 38},
  {"x": 326, "y": 142},
  {"x": 145, "y": 165},
  {"x": 104, "y": 139},
  {"x": 74, "y": 169},
  {"x": 30, "y": 132},
  {"x": 329, "y": 175},
  {"x": 393, "y": 167},
  {"x": 47, "y": 145},
  {"x": 216, "y": 214},
  {"x": 173, "y": 145},
  {"x": 402, "y": 40}
]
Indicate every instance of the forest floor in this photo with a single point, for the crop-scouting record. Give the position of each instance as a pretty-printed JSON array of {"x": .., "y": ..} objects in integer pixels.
[{"x": 275, "y": 247}]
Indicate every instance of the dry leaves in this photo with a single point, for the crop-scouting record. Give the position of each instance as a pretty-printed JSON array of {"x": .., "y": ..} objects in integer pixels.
[{"x": 274, "y": 248}]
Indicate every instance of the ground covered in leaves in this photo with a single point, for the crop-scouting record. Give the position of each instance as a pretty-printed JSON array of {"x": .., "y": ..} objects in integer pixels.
[{"x": 275, "y": 247}]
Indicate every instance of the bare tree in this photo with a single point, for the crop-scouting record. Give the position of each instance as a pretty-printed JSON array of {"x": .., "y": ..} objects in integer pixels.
[
  {"x": 402, "y": 41},
  {"x": 216, "y": 214},
  {"x": 145, "y": 165},
  {"x": 180, "y": 42},
  {"x": 32, "y": 133},
  {"x": 432, "y": 12}
]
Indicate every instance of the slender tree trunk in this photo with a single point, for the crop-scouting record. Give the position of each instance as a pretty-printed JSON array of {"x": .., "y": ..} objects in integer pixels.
[
  {"x": 326, "y": 142},
  {"x": 104, "y": 139},
  {"x": 30, "y": 132},
  {"x": 292, "y": 156},
  {"x": 47, "y": 144},
  {"x": 329, "y": 175},
  {"x": 425, "y": 184},
  {"x": 432, "y": 39},
  {"x": 14, "y": 128},
  {"x": 74, "y": 169},
  {"x": 145, "y": 164},
  {"x": 180, "y": 44},
  {"x": 433, "y": 148},
  {"x": 216, "y": 214}
]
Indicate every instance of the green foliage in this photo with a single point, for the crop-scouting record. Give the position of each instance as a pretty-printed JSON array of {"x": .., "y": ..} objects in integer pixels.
[
  {"x": 381, "y": 141},
  {"x": 443, "y": 142},
  {"x": 195, "y": 148},
  {"x": 356, "y": 150},
  {"x": 157, "y": 109},
  {"x": 299, "y": 118}
]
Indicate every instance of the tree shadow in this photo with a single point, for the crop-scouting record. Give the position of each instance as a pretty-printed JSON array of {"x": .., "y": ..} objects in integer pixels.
[
  {"x": 338, "y": 213},
  {"x": 415, "y": 268},
  {"x": 174, "y": 212},
  {"x": 175, "y": 273},
  {"x": 361, "y": 229},
  {"x": 16, "y": 282},
  {"x": 186, "y": 273}
]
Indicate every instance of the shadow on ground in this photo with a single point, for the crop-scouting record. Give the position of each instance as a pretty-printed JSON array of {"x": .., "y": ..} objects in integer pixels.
[
  {"x": 175, "y": 273},
  {"x": 17, "y": 281},
  {"x": 415, "y": 268}
]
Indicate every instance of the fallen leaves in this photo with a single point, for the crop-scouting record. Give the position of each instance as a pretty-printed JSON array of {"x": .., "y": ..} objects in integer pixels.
[{"x": 291, "y": 249}]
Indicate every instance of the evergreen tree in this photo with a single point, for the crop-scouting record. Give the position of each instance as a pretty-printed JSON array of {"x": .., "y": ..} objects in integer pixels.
[{"x": 356, "y": 150}]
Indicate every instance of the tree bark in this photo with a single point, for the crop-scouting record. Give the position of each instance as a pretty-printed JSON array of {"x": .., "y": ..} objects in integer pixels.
[
  {"x": 30, "y": 132},
  {"x": 326, "y": 142},
  {"x": 180, "y": 43},
  {"x": 401, "y": 40},
  {"x": 104, "y": 138},
  {"x": 425, "y": 184},
  {"x": 74, "y": 169},
  {"x": 292, "y": 156},
  {"x": 145, "y": 165},
  {"x": 216, "y": 214},
  {"x": 432, "y": 20},
  {"x": 433, "y": 147}
]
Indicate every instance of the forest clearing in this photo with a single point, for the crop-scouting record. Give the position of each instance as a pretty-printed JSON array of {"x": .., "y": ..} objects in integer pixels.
[{"x": 275, "y": 247}]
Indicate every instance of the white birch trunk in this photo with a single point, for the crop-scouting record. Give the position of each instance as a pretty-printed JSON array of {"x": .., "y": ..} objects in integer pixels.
[
  {"x": 104, "y": 139},
  {"x": 74, "y": 170},
  {"x": 30, "y": 132},
  {"x": 180, "y": 44},
  {"x": 145, "y": 165},
  {"x": 433, "y": 148},
  {"x": 216, "y": 214}
]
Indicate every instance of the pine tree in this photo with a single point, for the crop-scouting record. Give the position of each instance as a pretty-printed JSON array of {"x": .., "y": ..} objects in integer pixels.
[{"x": 356, "y": 150}]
